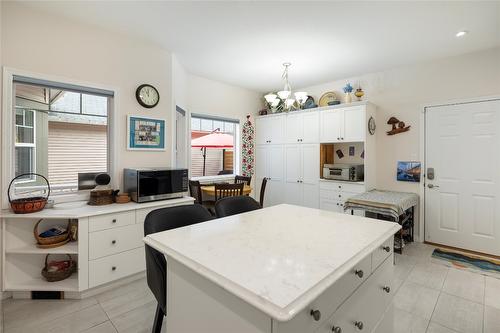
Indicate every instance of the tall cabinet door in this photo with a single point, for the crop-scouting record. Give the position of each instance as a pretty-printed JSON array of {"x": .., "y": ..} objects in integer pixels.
[
  {"x": 310, "y": 127},
  {"x": 310, "y": 175},
  {"x": 262, "y": 130},
  {"x": 293, "y": 188},
  {"x": 293, "y": 128},
  {"x": 275, "y": 183},
  {"x": 355, "y": 125},
  {"x": 261, "y": 167},
  {"x": 275, "y": 128},
  {"x": 331, "y": 121}
]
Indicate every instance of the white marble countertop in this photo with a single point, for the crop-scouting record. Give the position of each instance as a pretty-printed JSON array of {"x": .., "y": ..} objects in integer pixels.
[
  {"x": 278, "y": 259},
  {"x": 87, "y": 210}
]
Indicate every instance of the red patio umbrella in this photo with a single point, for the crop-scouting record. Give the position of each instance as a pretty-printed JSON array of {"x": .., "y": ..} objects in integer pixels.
[{"x": 212, "y": 140}]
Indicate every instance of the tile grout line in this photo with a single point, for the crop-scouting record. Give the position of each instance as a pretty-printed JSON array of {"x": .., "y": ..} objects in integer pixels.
[
  {"x": 109, "y": 318},
  {"x": 439, "y": 296}
]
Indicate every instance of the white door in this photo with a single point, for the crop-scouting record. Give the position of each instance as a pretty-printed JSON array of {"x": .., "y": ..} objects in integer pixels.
[
  {"x": 355, "y": 125},
  {"x": 293, "y": 128},
  {"x": 275, "y": 182},
  {"x": 293, "y": 188},
  {"x": 330, "y": 126},
  {"x": 310, "y": 127},
  {"x": 310, "y": 175},
  {"x": 462, "y": 202}
]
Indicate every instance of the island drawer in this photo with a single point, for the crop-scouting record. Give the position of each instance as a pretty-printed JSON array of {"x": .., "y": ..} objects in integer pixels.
[
  {"x": 382, "y": 252},
  {"x": 117, "y": 266},
  {"x": 364, "y": 309},
  {"x": 107, "y": 242},
  {"x": 342, "y": 186},
  {"x": 329, "y": 301},
  {"x": 108, "y": 221}
]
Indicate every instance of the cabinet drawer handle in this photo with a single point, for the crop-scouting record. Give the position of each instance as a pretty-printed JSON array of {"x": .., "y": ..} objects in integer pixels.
[
  {"x": 113, "y": 268},
  {"x": 359, "y": 325},
  {"x": 114, "y": 221},
  {"x": 113, "y": 242},
  {"x": 316, "y": 314},
  {"x": 387, "y": 249},
  {"x": 387, "y": 289},
  {"x": 336, "y": 329},
  {"x": 359, "y": 273},
  {"x": 338, "y": 138}
]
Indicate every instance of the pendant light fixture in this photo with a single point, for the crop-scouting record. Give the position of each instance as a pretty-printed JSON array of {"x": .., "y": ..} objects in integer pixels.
[{"x": 285, "y": 95}]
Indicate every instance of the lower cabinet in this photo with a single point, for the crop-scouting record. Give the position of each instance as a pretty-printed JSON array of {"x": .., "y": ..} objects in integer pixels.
[
  {"x": 302, "y": 175},
  {"x": 117, "y": 266},
  {"x": 332, "y": 195}
]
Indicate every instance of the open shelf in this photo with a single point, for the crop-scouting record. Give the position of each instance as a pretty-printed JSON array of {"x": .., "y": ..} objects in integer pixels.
[
  {"x": 69, "y": 248},
  {"x": 40, "y": 284}
]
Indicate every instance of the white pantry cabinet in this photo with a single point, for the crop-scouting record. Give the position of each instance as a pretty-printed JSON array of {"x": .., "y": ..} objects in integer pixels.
[
  {"x": 333, "y": 195},
  {"x": 344, "y": 124},
  {"x": 270, "y": 129},
  {"x": 302, "y": 175},
  {"x": 302, "y": 127},
  {"x": 269, "y": 164}
]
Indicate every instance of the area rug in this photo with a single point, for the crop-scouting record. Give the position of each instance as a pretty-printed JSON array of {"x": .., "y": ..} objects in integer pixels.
[{"x": 476, "y": 263}]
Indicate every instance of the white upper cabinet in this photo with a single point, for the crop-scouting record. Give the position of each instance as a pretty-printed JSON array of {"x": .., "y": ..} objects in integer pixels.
[
  {"x": 302, "y": 127},
  {"x": 355, "y": 124},
  {"x": 343, "y": 124},
  {"x": 269, "y": 129}
]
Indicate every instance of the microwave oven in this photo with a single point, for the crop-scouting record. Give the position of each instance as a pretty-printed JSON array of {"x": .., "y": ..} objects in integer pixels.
[
  {"x": 151, "y": 184},
  {"x": 349, "y": 172}
]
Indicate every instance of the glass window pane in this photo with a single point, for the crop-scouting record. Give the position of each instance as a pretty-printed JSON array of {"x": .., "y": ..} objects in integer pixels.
[
  {"x": 207, "y": 125},
  {"x": 28, "y": 117},
  {"x": 229, "y": 127},
  {"x": 66, "y": 102},
  {"x": 24, "y": 134},
  {"x": 19, "y": 117},
  {"x": 96, "y": 105},
  {"x": 24, "y": 160},
  {"x": 195, "y": 124},
  {"x": 219, "y": 124}
]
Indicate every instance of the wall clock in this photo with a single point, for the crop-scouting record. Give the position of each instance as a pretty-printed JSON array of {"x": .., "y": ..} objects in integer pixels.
[
  {"x": 371, "y": 126},
  {"x": 147, "y": 96}
]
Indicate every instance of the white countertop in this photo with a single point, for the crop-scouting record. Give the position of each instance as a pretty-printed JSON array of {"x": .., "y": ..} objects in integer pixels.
[
  {"x": 278, "y": 259},
  {"x": 87, "y": 210},
  {"x": 341, "y": 181}
]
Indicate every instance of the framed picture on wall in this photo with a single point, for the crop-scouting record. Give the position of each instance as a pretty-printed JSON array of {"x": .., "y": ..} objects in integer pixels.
[
  {"x": 408, "y": 171},
  {"x": 145, "y": 133}
]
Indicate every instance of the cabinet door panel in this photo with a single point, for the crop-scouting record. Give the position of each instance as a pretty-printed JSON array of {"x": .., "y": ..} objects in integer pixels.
[
  {"x": 292, "y": 163},
  {"x": 293, "y": 128},
  {"x": 262, "y": 130},
  {"x": 330, "y": 205},
  {"x": 261, "y": 162},
  {"x": 354, "y": 124},
  {"x": 310, "y": 195},
  {"x": 293, "y": 193},
  {"x": 310, "y": 163},
  {"x": 275, "y": 129},
  {"x": 330, "y": 126},
  {"x": 276, "y": 161},
  {"x": 274, "y": 193},
  {"x": 310, "y": 127}
]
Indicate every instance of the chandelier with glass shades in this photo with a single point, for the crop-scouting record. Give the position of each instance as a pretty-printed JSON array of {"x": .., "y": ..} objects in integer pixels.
[{"x": 284, "y": 96}]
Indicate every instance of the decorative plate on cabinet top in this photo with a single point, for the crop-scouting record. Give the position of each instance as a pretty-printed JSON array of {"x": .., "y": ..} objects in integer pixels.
[{"x": 327, "y": 97}]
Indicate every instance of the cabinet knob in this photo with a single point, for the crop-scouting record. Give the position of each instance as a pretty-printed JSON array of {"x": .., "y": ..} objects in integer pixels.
[
  {"x": 338, "y": 138},
  {"x": 387, "y": 289},
  {"x": 114, "y": 221},
  {"x": 336, "y": 329},
  {"x": 316, "y": 314},
  {"x": 359, "y": 273},
  {"x": 340, "y": 196},
  {"x": 387, "y": 249},
  {"x": 341, "y": 138},
  {"x": 359, "y": 325},
  {"x": 113, "y": 268},
  {"x": 113, "y": 241}
]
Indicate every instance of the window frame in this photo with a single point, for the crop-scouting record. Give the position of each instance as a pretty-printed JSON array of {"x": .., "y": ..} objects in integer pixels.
[
  {"x": 26, "y": 145},
  {"x": 8, "y": 130}
]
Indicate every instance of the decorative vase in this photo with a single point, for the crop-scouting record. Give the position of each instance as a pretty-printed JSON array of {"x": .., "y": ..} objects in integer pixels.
[
  {"x": 359, "y": 93},
  {"x": 348, "y": 97}
]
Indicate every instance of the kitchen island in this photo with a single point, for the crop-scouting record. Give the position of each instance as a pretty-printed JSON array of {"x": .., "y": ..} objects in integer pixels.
[{"x": 279, "y": 269}]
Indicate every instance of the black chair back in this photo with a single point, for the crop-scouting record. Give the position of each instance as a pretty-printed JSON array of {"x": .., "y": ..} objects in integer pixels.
[
  {"x": 262, "y": 191},
  {"x": 195, "y": 191},
  {"x": 161, "y": 220},
  {"x": 243, "y": 179},
  {"x": 228, "y": 190},
  {"x": 235, "y": 205}
]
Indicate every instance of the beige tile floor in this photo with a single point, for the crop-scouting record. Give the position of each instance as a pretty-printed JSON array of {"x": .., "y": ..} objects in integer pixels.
[{"x": 430, "y": 298}]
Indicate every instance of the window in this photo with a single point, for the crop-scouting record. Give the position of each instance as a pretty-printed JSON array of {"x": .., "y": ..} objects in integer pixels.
[
  {"x": 214, "y": 146},
  {"x": 60, "y": 133}
]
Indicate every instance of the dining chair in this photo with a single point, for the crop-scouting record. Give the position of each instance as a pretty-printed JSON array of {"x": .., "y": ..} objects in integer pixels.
[
  {"x": 235, "y": 205},
  {"x": 242, "y": 179},
  {"x": 262, "y": 191},
  {"x": 156, "y": 265},
  {"x": 228, "y": 190},
  {"x": 195, "y": 191}
]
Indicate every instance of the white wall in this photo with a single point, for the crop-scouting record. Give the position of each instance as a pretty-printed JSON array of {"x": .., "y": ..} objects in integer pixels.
[
  {"x": 39, "y": 43},
  {"x": 403, "y": 92}
]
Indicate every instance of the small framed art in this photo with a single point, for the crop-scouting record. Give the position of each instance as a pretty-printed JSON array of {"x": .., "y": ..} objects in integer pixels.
[
  {"x": 408, "y": 171},
  {"x": 145, "y": 133}
]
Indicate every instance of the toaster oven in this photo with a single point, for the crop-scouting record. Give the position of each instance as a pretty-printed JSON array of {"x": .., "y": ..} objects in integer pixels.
[{"x": 349, "y": 172}]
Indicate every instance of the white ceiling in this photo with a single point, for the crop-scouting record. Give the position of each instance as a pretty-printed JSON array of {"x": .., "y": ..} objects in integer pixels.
[{"x": 245, "y": 43}]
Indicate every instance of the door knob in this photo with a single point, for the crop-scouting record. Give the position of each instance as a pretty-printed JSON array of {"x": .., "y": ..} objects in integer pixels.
[
  {"x": 432, "y": 186},
  {"x": 359, "y": 325},
  {"x": 336, "y": 329},
  {"x": 316, "y": 314}
]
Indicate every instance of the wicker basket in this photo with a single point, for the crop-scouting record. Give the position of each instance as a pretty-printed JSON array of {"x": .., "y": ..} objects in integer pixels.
[
  {"x": 28, "y": 205},
  {"x": 50, "y": 242},
  {"x": 101, "y": 197},
  {"x": 60, "y": 274}
]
